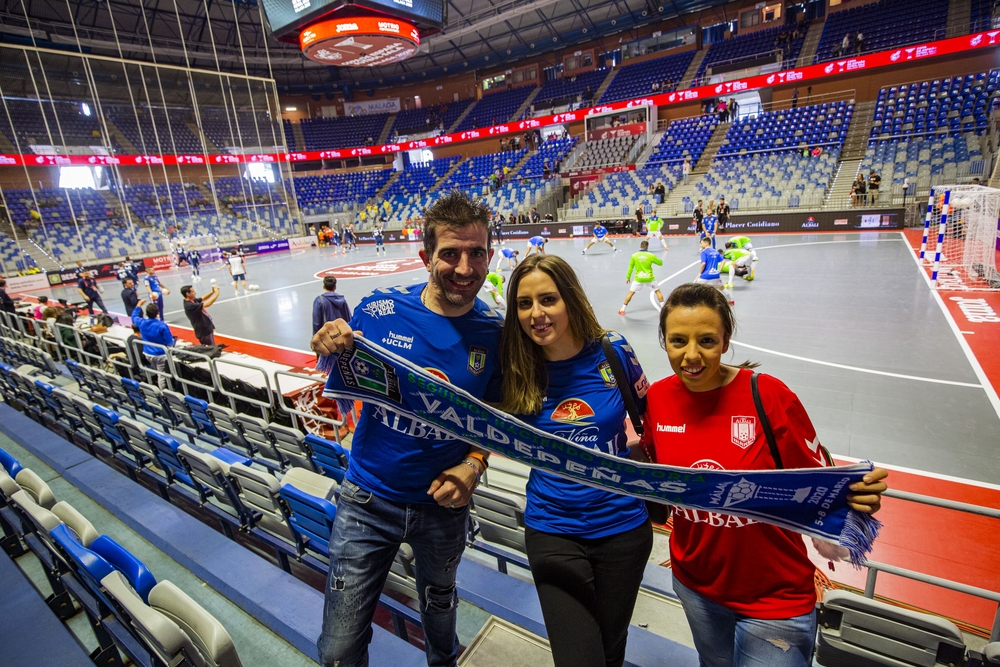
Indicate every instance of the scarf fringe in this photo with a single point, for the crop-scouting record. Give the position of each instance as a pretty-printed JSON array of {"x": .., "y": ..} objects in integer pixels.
[
  {"x": 858, "y": 536},
  {"x": 325, "y": 363}
]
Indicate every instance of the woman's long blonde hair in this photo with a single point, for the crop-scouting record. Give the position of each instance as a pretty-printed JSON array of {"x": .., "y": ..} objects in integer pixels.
[{"x": 525, "y": 379}]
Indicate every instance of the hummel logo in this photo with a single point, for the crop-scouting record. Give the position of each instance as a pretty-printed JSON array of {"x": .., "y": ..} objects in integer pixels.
[{"x": 666, "y": 428}]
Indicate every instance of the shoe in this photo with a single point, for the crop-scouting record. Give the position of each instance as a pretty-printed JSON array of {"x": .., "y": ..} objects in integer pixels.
[
  {"x": 621, "y": 311},
  {"x": 750, "y": 277},
  {"x": 616, "y": 249},
  {"x": 584, "y": 252}
]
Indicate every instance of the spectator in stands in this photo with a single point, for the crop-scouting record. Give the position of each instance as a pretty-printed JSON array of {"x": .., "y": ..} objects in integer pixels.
[
  {"x": 722, "y": 213},
  {"x": 154, "y": 330},
  {"x": 43, "y": 303},
  {"x": 194, "y": 309},
  {"x": 734, "y": 109},
  {"x": 389, "y": 495},
  {"x": 329, "y": 305},
  {"x": 66, "y": 320},
  {"x": 686, "y": 169},
  {"x": 660, "y": 191},
  {"x": 587, "y": 547},
  {"x": 129, "y": 296},
  {"x": 546, "y": 170},
  {"x": 7, "y": 304},
  {"x": 795, "y": 98},
  {"x": 746, "y": 587},
  {"x": 845, "y": 44},
  {"x": 535, "y": 218},
  {"x": 858, "y": 190},
  {"x": 859, "y": 42},
  {"x": 874, "y": 182},
  {"x": 656, "y": 86},
  {"x": 698, "y": 217}
]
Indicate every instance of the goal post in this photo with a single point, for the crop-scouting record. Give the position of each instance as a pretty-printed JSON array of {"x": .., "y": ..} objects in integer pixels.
[{"x": 959, "y": 242}]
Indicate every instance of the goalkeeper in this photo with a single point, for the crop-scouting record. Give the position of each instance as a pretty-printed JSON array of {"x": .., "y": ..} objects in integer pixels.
[
  {"x": 745, "y": 256},
  {"x": 654, "y": 229},
  {"x": 642, "y": 265},
  {"x": 738, "y": 263}
]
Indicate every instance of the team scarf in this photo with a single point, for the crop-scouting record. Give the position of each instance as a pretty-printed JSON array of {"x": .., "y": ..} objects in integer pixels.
[{"x": 810, "y": 501}]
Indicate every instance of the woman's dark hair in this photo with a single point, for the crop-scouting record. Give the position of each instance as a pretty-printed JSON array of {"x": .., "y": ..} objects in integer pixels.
[
  {"x": 65, "y": 317},
  {"x": 525, "y": 380},
  {"x": 692, "y": 295}
]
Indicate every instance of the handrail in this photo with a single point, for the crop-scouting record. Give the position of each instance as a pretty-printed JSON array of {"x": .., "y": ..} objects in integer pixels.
[
  {"x": 943, "y": 502},
  {"x": 198, "y": 357},
  {"x": 265, "y": 406},
  {"x": 297, "y": 414}
]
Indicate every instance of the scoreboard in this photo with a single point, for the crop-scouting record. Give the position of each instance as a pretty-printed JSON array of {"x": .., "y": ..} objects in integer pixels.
[{"x": 288, "y": 18}]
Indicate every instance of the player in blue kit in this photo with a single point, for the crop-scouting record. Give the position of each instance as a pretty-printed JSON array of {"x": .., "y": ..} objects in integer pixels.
[
  {"x": 709, "y": 224},
  {"x": 349, "y": 239},
  {"x": 407, "y": 481},
  {"x": 587, "y": 547},
  {"x": 711, "y": 265},
  {"x": 155, "y": 290},
  {"x": 194, "y": 259},
  {"x": 378, "y": 233},
  {"x": 536, "y": 244},
  {"x": 600, "y": 234},
  {"x": 335, "y": 239},
  {"x": 509, "y": 256}
]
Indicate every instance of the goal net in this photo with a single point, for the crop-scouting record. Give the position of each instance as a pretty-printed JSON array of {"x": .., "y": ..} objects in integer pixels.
[{"x": 960, "y": 237}]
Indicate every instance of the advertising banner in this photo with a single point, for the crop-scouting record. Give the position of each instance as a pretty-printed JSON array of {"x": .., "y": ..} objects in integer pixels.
[
  {"x": 25, "y": 283},
  {"x": 817, "y": 221},
  {"x": 553, "y": 230},
  {"x": 161, "y": 262},
  {"x": 620, "y": 131},
  {"x": 271, "y": 246},
  {"x": 301, "y": 242},
  {"x": 367, "y": 107},
  {"x": 578, "y": 184}
]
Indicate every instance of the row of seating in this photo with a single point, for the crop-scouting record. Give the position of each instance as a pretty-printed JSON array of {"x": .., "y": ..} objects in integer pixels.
[{"x": 131, "y": 614}]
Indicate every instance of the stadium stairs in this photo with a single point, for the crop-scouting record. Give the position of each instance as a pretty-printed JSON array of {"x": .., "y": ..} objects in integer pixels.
[
  {"x": 119, "y": 136},
  {"x": 673, "y": 203},
  {"x": 839, "y": 190},
  {"x": 383, "y": 136},
  {"x": 692, "y": 69},
  {"x": 444, "y": 178},
  {"x": 197, "y": 132},
  {"x": 810, "y": 43},
  {"x": 392, "y": 179},
  {"x": 461, "y": 117},
  {"x": 651, "y": 146},
  {"x": 6, "y": 146},
  {"x": 612, "y": 72},
  {"x": 300, "y": 139},
  {"x": 526, "y": 106},
  {"x": 959, "y": 18}
]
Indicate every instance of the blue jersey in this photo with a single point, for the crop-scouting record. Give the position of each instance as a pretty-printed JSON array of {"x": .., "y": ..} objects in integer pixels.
[
  {"x": 712, "y": 258},
  {"x": 336, "y": 237},
  {"x": 133, "y": 271},
  {"x": 393, "y": 456},
  {"x": 537, "y": 241},
  {"x": 600, "y": 231},
  {"x": 508, "y": 253},
  {"x": 709, "y": 223},
  {"x": 583, "y": 404},
  {"x": 153, "y": 285},
  {"x": 378, "y": 233},
  {"x": 193, "y": 257}
]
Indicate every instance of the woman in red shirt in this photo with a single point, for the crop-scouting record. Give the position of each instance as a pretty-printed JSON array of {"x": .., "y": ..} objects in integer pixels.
[{"x": 747, "y": 587}]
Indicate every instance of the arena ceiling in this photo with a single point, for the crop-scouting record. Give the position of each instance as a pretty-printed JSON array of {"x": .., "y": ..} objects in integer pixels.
[{"x": 231, "y": 36}]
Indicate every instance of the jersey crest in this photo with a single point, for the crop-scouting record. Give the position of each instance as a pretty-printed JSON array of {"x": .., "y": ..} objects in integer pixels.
[
  {"x": 477, "y": 360},
  {"x": 608, "y": 375},
  {"x": 572, "y": 411},
  {"x": 744, "y": 431}
]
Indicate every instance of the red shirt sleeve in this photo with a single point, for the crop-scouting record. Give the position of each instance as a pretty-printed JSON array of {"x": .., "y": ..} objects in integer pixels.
[{"x": 794, "y": 433}]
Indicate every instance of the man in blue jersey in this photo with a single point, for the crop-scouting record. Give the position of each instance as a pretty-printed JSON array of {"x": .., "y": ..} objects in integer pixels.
[
  {"x": 155, "y": 290},
  {"x": 536, "y": 244},
  {"x": 509, "y": 256},
  {"x": 407, "y": 481},
  {"x": 711, "y": 263},
  {"x": 377, "y": 232},
  {"x": 600, "y": 234},
  {"x": 708, "y": 226},
  {"x": 194, "y": 259}
]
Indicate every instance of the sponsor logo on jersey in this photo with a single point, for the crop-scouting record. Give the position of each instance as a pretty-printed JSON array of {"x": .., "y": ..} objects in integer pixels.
[
  {"x": 572, "y": 411},
  {"x": 380, "y": 308},
  {"x": 604, "y": 368},
  {"x": 477, "y": 360},
  {"x": 641, "y": 386},
  {"x": 398, "y": 340},
  {"x": 744, "y": 431},
  {"x": 667, "y": 428},
  {"x": 437, "y": 372},
  {"x": 706, "y": 464}
]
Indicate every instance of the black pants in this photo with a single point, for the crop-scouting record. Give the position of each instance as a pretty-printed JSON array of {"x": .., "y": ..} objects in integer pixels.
[
  {"x": 587, "y": 589},
  {"x": 93, "y": 296}
]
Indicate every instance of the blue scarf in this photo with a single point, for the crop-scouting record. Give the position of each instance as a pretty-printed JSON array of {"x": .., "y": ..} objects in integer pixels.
[{"x": 811, "y": 501}]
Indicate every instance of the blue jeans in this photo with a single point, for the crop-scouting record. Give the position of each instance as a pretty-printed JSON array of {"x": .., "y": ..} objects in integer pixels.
[
  {"x": 366, "y": 536},
  {"x": 727, "y": 639}
]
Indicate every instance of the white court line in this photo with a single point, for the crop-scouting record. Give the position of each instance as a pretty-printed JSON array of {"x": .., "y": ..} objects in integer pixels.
[
  {"x": 855, "y": 368},
  {"x": 249, "y": 294},
  {"x": 925, "y": 473},
  {"x": 984, "y": 379},
  {"x": 252, "y": 342}
]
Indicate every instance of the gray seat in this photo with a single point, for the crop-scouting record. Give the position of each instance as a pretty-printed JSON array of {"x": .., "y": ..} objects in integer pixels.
[
  {"x": 259, "y": 491},
  {"x": 177, "y": 405},
  {"x": 254, "y": 431},
  {"x": 173, "y": 626},
  {"x": 500, "y": 516},
  {"x": 857, "y": 632},
  {"x": 224, "y": 420},
  {"x": 290, "y": 445},
  {"x": 134, "y": 432},
  {"x": 214, "y": 474}
]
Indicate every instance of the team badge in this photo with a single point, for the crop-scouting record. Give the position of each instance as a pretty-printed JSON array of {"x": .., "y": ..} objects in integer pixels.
[
  {"x": 477, "y": 360},
  {"x": 572, "y": 411},
  {"x": 744, "y": 431},
  {"x": 360, "y": 370},
  {"x": 608, "y": 375}
]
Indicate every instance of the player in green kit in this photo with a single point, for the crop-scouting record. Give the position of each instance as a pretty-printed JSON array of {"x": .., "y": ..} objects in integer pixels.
[
  {"x": 654, "y": 227},
  {"x": 749, "y": 260},
  {"x": 494, "y": 285},
  {"x": 642, "y": 265}
]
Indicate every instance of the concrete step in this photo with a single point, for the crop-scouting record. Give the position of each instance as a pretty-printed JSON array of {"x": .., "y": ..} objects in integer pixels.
[
  {"x": 122, "y": 140},
  {"x": 202, "y": 137},
  {"x": 383, "y": 136},
  {"x": 521, "y": 110},
  {"x": 809, "y": 45},
  {"x": 692, "y": 69},
  {"x": 604, "y": 85}
]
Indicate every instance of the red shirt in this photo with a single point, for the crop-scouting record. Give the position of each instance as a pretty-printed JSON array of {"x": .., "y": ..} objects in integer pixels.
[{"x": 754, "y": 569}]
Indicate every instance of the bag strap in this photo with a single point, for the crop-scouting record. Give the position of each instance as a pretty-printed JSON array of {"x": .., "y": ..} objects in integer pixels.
[
  {"x": 765, "y": 423},
  {"x": 622, "y": 381}
]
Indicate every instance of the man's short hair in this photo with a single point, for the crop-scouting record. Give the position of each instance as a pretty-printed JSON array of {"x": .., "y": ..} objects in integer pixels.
[
  {"x": 329, "y": 283},
  {"x": 455, "y": 210},
  {"x": 644, "y": 245},
  {"x": 152, "y": 312},
  {"x": 3, "y": 283},
  {"x": 185, "y": 290}
]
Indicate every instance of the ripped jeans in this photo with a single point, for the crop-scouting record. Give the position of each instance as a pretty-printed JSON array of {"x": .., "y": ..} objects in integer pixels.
[
  {"x": 366, "y": 536},
  {"x": 727, "y": 639}
]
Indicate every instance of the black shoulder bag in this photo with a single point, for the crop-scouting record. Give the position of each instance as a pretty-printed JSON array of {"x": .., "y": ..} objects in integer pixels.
[{"x": 658, "y": 512}]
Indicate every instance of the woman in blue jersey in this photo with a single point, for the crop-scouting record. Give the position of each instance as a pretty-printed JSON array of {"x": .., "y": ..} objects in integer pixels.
[{"x": 587, "y": 548}]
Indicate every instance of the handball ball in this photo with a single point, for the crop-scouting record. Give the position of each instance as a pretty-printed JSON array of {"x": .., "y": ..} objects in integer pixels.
[{"x": 213, "y": 281}]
